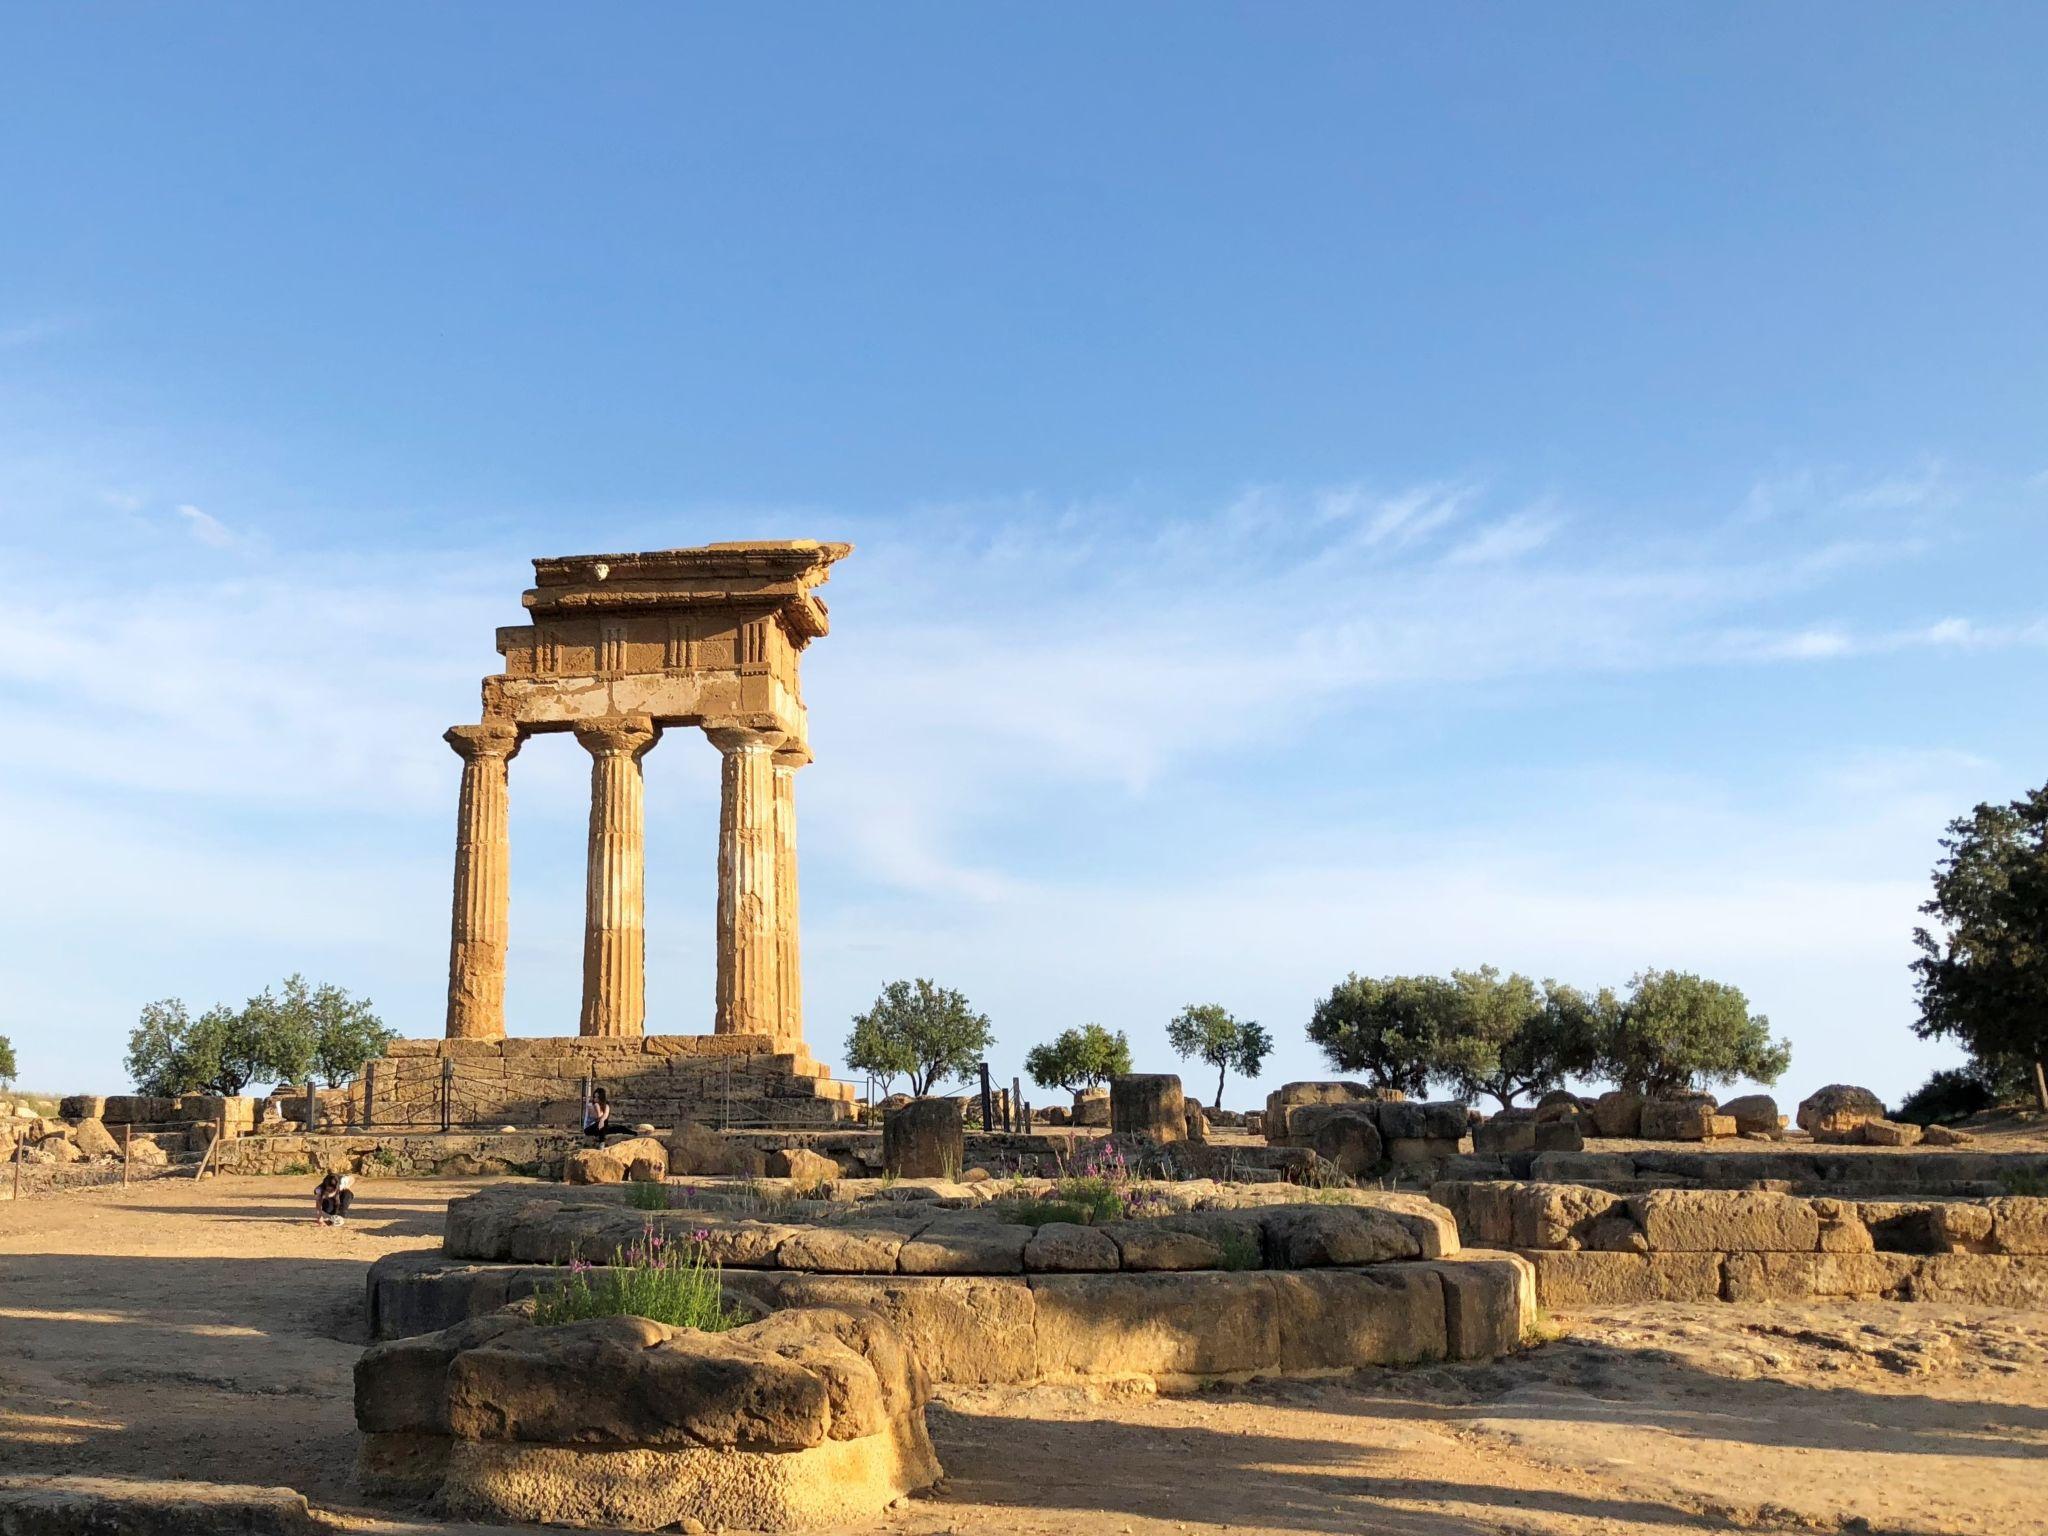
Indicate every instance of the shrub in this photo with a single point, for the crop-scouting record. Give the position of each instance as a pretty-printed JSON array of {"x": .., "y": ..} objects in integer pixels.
[
  {"x": 647, "y": 1195},
  {"x": 658, "y": 1278},
  {"x": 1240, "y": 1250}
]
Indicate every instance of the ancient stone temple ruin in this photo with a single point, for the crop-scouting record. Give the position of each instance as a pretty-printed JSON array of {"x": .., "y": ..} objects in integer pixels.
[{"x": 622, "y": 650}]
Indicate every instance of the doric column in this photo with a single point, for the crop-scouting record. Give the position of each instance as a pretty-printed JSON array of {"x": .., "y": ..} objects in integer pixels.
[
  {"x": 789, "y": 975},
  {"x": 615, "y": 889},
  {"x": 476, "y": 947},
  {"x": 747, "y": 1000}
]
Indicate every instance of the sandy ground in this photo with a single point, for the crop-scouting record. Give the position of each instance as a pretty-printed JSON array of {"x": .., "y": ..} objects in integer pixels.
[{"x": 207, "y": 1331}]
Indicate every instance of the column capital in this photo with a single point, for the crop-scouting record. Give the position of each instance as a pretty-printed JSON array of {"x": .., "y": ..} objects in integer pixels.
[
  {"x": 490, "y": 738},
  {"x": 792, "y": 755},
  {"x": 743, "y": 738},
  {"x": 618, "y": 735}
]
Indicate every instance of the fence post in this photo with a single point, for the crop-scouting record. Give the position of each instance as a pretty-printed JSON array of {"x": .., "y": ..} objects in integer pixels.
[
  {"x": 447, "y": 1088},
  {"x": 369, "y": 1095},
  {"x": 1012, "y": 1120},
  {"x": 987, "y": 1101},
  {"x": 17, "y": 1166},
  {"x": 127, "y": 1136},
  {"x": 312, "y": 1106}
]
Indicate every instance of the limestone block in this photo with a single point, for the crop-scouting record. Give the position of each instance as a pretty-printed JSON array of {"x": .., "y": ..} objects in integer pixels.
[
  {"x": 1799, "y": 1276},
  {"x": 1197, "y": 1127},
  {"x": 1148, "y": 1105},
  {"x": 1591, "y": 1279},
  {"x": 694, "y": 1150},
  {"x": 1887, "y": 1133},
  {"x": 1061, "y": 1247},
  {"x": 925, "y": 1139},
  {"x": 81, "y": 1106},
  {"x": 2019, "y": 1223},
  {"x": 1418, "y": 1152},
  {"x": 645, "y": 1158},
  {"x": 1944, "y": 1136},
  {"x": 1346, "y": 1135},
  {"x": 1334, "y": 1320},
  {"x": 402, "y": 1384},
  {"x": 1834, "y": 1113},
  {"x": 965, "y": 1329},
  {"x": 1919, "y": 1226},
  {"x": 972, "y": 1245},
  {"x": 1505, "y": 1134},
  {"x": 137, "y": 1109},
  {"x": 868, "y": 1248},
  {"x": 802, "y": 1166},
  {"x": 838, "y": 1483},
  {"x": 1617, "y": 1114},
  {"x": 1721, "y": 1127},
  {"x": 1091, "y": 1108},
  {"x": 593, "y": 1165},
  {"x": 1165, "y": 1326},
  {"x": 1982, "y": 1279},
  {"x": 1483, "y": 1208},
  {"x": 1303, "y": 1237},
  {"x": 1152, "y": 1245},
  {"x": 1489, "y": 1304},
  {"x": 1582, "y": 1167},
  {"x": 91, "y": 1138},
  {"x": 662, "y": 1386},
  {"x": 1558, "y": 1215},
  {"x": 1559, "y": 1135},
  {"x": 121, "y": 1506},
  {"x": 1755, "y": 1113},
  {"x": 1722, "y": 1221},
  {"x": 1678, "y": 1119}
]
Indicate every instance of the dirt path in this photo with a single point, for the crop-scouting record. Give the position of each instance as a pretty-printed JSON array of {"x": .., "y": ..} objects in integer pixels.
[{"x": 208, "y": 1331}]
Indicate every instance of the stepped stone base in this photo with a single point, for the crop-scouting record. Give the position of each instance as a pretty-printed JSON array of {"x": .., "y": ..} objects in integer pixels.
[{"x": 714, "y": 1080}]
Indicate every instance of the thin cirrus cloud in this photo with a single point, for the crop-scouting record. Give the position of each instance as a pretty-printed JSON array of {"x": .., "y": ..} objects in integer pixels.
[{"x": 205, "y": 527}]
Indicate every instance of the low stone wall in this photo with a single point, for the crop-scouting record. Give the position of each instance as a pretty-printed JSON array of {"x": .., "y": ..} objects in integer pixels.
[
  {"x": 1804, "y": 1169},
  {"x": 911, "y": 1229},
  {"x": 121, "y": 1506},
  {"x": 721, "y": 1080},
  {"x": 1173, "y": 1329},
  {"x": 1593, "y": 1247},
  {"x": 812, "y": 1415},
  {"x": 536, "y": 1154}
]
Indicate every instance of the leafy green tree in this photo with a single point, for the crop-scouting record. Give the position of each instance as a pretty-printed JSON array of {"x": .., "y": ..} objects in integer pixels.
[
  {"x": 921, "y": 1031},
  {"x": 1677, "y": 1031},
  {"x": 169, "y": 1052},
  {"x": 1983, "y": 979},
  {"x": 320, "y": 1029},
  {"x": 1079, "y": 1058},
  {"x": 1205, "y": 1032},
  {"x": 1504, "y": 1036},
  {"x": 8, "y": 1067},
  {"x": 278, "y": 1036},
  {"x": 1385, "y": 1028}
]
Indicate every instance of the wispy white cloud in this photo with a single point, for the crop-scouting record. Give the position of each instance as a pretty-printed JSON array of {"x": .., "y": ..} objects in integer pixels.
[
  {"x": 1518, "y": 534},
  {"x": 26, "y": 333},
  {"x": 205, "y": 527}
]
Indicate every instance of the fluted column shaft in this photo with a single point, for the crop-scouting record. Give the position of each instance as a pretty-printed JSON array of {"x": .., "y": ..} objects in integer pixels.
[
  {"x": 615, "y": 888},
  {"x": 789, "y": 976},
  {"x": 747, "y": 998},
  {"x": 483, "y": 883}
]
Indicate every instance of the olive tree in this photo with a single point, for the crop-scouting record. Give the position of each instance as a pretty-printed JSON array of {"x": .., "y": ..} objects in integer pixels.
[
  {"x": 1206, "y": 1032},
  {"x": 1079, "y": 1058},
  {"x": 925, "y": 1032}
]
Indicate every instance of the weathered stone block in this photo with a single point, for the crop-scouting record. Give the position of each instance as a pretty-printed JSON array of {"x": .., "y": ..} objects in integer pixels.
[
  {"x": 1331, "y": 1320},
  {"x": 1591, "y": 1279},
  {"x": 1834, "y": 1113},
  {"x": 1165, "y": 1326},
  {"x": 1887, "y": 1133},
  {"x": 1618, "y": 1114},
  {"x": 1148, "y": 1105},
  {"x": 925, "y": 1139},
  {"x": 1678, "y": 1119},
  {"x": 1346, "y": 1135},
  {"x": 1489, "y": 1304},
  {"x": 1557, "y": 1215},
  {"x": 2019, "y": 1223},
  {"x": 1559, "y": 1135},
  {"x": 1724, "y": 1221},
  {"x": 1754, "y": 1113},
  {"x": 1504, "y": 1135},
  {"x": 1061, "y": 1247}
]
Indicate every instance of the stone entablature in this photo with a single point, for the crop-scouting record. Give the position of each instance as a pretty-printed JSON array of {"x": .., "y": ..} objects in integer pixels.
[{"x": 622, "y": 648}]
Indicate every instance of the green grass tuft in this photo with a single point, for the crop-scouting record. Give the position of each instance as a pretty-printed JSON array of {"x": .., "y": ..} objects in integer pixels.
[{"x": 665, "y": 1280}]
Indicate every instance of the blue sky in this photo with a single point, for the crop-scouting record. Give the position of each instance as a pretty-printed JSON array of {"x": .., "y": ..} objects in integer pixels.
[{"x": 1335, "y": 488}]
